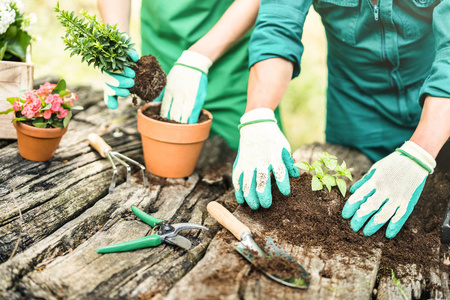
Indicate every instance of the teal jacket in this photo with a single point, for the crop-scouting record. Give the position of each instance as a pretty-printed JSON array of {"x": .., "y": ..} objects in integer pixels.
[{"x": 384, "y": 58}]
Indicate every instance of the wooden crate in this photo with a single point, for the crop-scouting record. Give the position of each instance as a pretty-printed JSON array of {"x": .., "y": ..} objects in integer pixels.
[{"x": 14, "y": 77}]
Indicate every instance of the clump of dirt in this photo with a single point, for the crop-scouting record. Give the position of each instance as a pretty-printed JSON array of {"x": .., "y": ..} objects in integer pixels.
[
  {"x": 313, "y": 218},
  {"x": 277, "y": 266},
  {"x": 274, "y": 264},
  {"x": 150, "y": 79},
  {"x": 153, "y": 112}
]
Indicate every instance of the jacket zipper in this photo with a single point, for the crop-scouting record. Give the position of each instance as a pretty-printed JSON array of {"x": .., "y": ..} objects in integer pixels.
[{"x": 376, "y": 14}]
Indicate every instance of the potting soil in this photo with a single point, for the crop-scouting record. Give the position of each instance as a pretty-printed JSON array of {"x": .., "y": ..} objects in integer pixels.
[
  {"x": 150, "y": 79},
  {"x": 153, "y": 112},
  {"x": 313, "y": 218}
]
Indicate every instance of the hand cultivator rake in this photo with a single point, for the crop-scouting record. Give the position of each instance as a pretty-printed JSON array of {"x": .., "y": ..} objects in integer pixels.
[{"x": 106, "y": 151}]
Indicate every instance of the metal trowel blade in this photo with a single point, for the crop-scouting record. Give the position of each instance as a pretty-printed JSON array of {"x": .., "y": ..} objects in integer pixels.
[{"x": 250, "y": 250}]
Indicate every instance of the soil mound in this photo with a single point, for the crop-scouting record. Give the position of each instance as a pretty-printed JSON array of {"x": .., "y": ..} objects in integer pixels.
[{"x": 312, "y": 219}]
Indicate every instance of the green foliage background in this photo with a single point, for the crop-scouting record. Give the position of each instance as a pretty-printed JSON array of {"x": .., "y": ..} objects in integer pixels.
[{"x": 302, "y": 109}]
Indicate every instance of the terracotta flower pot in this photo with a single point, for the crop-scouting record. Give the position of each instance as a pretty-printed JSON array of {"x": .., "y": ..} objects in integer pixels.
[
  {"x": 38, "y": 144},
  {"x": 170, "y": 149}
]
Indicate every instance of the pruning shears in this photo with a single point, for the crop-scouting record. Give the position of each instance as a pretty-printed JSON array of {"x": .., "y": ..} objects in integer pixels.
[{"x": 162, "y": 232}]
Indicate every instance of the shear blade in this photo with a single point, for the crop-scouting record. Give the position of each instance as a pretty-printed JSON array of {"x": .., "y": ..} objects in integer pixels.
[{"x": 179, "y": 241}]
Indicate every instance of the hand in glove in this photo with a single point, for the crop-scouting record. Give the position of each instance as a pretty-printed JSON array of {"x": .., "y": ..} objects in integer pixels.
[
  {"x": 185, "y": 92},
  {"x": 117, "y": 84},
  {"x": 389, "y": 191},
  {"x": 262, "y": 149}
]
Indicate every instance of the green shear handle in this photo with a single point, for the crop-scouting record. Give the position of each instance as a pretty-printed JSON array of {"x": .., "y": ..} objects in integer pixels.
[
  {"x": 144, "y": 242},
  {"x": 152, "y": 221},
  {"x": 166, "y": 233}
]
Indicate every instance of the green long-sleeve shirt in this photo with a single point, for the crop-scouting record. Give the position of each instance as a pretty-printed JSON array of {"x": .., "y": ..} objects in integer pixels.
[{"x": 384, "y": 57}]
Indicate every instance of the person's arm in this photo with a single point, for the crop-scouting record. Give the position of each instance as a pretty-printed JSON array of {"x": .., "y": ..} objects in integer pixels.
[
  {"x": 186, "y": 88},
  {"x": 116, "y": 11},
  {"x": 230, "y": 29},
  {"x": 115, "y": 85},
  {"x": 268, "y": 82},
  {"x": 434, "y": 126}
]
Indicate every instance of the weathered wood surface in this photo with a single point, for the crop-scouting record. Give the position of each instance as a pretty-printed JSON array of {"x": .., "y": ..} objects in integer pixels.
[
  {"x": 14, "y": 77},
  {"x": 67, "y": 213}
]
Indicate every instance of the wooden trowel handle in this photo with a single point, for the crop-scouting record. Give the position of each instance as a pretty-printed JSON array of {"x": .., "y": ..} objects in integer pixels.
[
  {"x": 224, "y": 217},
  {"x": 99, "y": 144}
]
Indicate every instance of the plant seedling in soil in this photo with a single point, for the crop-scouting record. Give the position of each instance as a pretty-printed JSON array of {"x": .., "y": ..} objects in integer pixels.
[
  {"x": 320, "y": 168},
  {"x": 397, "y": 282},
  {"x": 105, "y": 47}
]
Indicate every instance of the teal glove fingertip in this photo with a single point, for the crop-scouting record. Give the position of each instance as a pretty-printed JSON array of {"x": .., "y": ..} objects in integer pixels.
[
  {"x": 238, "y": 193},
  {"x": 111, "y": 102},
  {"x": 284, "y": 186},
  {"x": 252, "y": 197},
  {"x": 371, "y": 228},
  {"x": 289, "y": 163},
  {"x": 129, "y": 72},
  {"x": 132, "y": 53},
  {"x": 265, "y": 198},
  {"x": 394, "y": 228}
]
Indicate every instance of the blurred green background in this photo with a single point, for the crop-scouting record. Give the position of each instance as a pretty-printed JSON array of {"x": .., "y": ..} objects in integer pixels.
[{"x": 303, "y": 106}]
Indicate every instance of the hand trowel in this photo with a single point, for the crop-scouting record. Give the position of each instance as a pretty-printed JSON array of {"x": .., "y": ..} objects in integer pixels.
[{"x": 253, "y": 253}]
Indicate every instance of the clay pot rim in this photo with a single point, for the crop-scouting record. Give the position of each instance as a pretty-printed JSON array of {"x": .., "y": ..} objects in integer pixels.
[
  {"x": 184, "y": 125},
  {"x": 39, "y": 132}
]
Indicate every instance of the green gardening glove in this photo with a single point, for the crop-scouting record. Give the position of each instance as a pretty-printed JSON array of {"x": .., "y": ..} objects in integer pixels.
[
  {"x": 262, "y": 149},
  {"x": 389, "y": 191}
]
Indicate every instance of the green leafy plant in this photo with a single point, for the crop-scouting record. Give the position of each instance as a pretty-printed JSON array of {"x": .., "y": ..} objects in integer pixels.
[
  {"x": 14, "y": 30},
  {"x": 320, "y": 168},
  {"x": 102, "y": 45}
]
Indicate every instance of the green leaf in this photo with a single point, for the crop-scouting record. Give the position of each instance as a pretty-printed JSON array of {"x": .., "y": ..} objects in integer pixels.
[
  {"x": 332, "y": 163},
  {"x": 5, "y": 112},
  {"x": 329, "y": 181},
  {"x": 303, "y": 165},
  {"x": 67, "y": 119},
  {"x": 348, "y": 174},
  {"x": 78, "y": 107},
  {"x": 17, "y": 47},
  {"x": 47, "y": 106},
  {"x": 343, "y": 165},
  {"x": 61, "y": 86},
  {"x": 64, "y": 93},
  {"x": 39, "y": 124},
  {"x": 316, "y": 185},
  {"x": 3, "y": 46},
  {"x": 20, "y": 119},
  {"x": 11, "y": 100},
  {"x": 342, "y": 186},
  {"x": 319, "y": 171}
]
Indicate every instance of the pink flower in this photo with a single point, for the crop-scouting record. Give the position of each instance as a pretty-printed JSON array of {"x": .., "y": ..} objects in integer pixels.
[
  {"x": 62, "y": 113},
  {"x": 74, "y": 96},
  {"x": 17, "y": 106},
  {"x": 45, "y": 89},
  {"x": 47, "y": 114},
  {"x": 55, "y": 100}
]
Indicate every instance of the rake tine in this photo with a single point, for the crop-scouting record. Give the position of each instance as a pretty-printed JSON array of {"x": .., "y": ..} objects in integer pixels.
[
  {"x": 116, "y": 156},
  {"x": 112, "y": 186}
]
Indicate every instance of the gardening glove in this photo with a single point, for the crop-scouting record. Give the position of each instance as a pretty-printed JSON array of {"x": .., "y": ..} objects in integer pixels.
[
  {"x": 117, "y": 84},
  {"x": 185, "y": 92},
  {"x": 262, "y": 149},
  {"x": 389, "y": 190}
]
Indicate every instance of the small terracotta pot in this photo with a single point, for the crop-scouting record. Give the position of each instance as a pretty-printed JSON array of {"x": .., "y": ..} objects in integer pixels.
[
  {"x": 170, "y": 149},
  {"x": 38, "y": 144}
]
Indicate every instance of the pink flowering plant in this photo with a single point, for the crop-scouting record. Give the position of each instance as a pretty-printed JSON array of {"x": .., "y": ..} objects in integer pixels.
[{"x": 50, "y": 106}]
